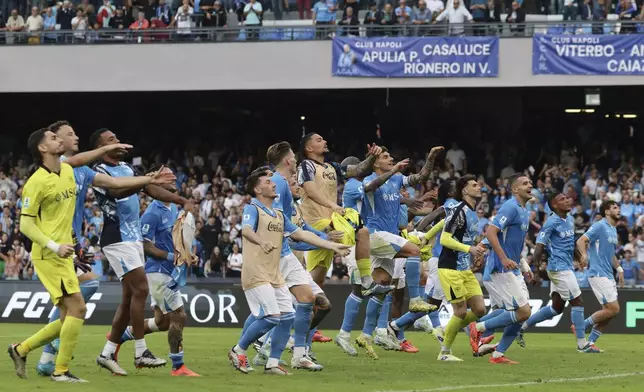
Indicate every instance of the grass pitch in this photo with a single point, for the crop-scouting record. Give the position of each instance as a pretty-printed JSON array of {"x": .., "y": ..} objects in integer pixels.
[{"x": 549, "y": 363}]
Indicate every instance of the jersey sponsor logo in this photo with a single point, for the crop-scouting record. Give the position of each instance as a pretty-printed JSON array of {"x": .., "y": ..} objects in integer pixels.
[
  {"x": 276, "y": 227},
  {"x": 329, "y": 176},
  {"x": 66, "y": 194},
  {"x": 612, "y": 240},
  {"x": 524, "y": 227},
  {"x": 25, "y": 203},
  {"x": 391, "y": 196},
  {"x": 566, "y": 233}
]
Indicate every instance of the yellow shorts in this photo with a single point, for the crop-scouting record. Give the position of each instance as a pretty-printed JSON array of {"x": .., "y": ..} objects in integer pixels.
[
  {"x": 459, "y": 286},
  {"x": 58, "y": 276},
  {"x": 319, "y": 257}
]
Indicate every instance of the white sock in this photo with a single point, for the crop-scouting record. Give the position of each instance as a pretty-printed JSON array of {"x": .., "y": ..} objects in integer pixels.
[
  {"x": 152, "y": 325},
  {"x": 415, "y": 299},
  {"x": 298, "y": 352},
  {"x": 47, "y": 357},
  {"x": 109, "y": 349},
  {"x": 497, "y": 354},
  {"x": 139, "y": 347},
  {"x": 480, "y": 327},
  {"x": 380, "y": 331},
  {"x": 272, "y": 362},
  {"x": 581, "y": 343},
  {"x": 366, "y": 281},
  {"x": 366, "y": 336},
  {"x": 394, "y": 326},
  {"x": 263, "y": 338},
  {"x": 524, "y": 327},
  {"x": 239, "y": 350},
  {"x": 344, "y": 334}
]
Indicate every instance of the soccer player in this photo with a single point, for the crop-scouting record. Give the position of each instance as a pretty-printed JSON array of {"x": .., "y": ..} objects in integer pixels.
[
  {"x": 299, "y": 282},
  {"x": 433, "y": 289},
  {"x": 506, "y": 236},
  {"x": 597, "y": 249},
  {"x": 319, "y": 199},
  {"x": 358, "y": 263},
  {"x": 264, "y": 287},
  {"x": 381, "y": 209},
  {"x": 459, "y": 284},
  {"x": 84, "y": 177},
  {"x": 121, "y": 242},
  {"x": 157, "y": 224},
  {"x": 48, "y": 201},
  {"x": 558, "y": 236}
]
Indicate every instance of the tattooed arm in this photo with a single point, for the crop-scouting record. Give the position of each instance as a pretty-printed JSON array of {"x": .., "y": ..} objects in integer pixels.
[
  {"x": 427, "y": 169},
  {"x": 381, "y": 179},
  {"x": 364, "y": 168}
]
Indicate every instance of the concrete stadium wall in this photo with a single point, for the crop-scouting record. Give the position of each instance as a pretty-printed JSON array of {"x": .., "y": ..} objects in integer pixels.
[{"x": 240, "y": 66}]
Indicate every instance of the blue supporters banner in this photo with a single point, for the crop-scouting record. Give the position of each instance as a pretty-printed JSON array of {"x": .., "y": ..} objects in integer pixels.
[
  {"x": 422, "y": 57},
  {"x": 588, "y": 55}
]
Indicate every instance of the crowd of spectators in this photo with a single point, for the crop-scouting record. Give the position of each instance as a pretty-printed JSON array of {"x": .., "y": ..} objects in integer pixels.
[
  {"x": 215, "y": 181},
  {"x": 148, "y": 20}
]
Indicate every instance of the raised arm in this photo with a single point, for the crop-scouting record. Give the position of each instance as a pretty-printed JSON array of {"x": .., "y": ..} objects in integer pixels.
[
  {"x": 87, "y": 157},
  {"x": 310, "y": 238},
  {"x": 364, "y": 168},
  {"x": 381, "y": 179},
  {"x": 427, "y": 169},
  {"x": 438, "y": 213}
]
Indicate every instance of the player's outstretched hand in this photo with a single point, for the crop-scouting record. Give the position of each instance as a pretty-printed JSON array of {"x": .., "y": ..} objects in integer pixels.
[
  {"x": 401, "y": 165},
  {"x": 119, "y": 147},
  {"x": 509, "y": 264},
  {"x": 65, "y": 250},
  {"x": 620, "y": 279},
  {"x": 433, "y": 153},
  {"x": 374, "y": 149},
  {"x": 163, "y": 176},
  {"x": 477, "y": 251},
  {"x": 267, "y": 246},
  {"x": 335, "y": 236},
  {"x": 342, "y": 250}
]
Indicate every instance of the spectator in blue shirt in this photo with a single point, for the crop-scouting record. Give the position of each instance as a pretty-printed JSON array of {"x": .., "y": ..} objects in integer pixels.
[
  {"x": 403, "y": 14},
  {"x": 627, "y": 209},
  {"x": 49, "y": 22},
  {"x": 477, "y": 9},
  {"x": 631, "y": 269},
  {"x": 422, "y": 17},
  {"x": 324, "y": 14}
]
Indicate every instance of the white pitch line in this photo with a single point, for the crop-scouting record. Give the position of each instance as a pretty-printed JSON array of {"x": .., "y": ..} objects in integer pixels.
[{"x": 520, "y": 384}]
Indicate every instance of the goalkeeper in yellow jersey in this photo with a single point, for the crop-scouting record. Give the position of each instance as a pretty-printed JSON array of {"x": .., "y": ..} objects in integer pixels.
[{"x": 48, "y": 202}]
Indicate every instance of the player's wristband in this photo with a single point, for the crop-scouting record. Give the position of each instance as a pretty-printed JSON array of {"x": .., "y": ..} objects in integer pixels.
[
  {"x": 170, "y": 256},
  {"x": 52, "y": 246},
  {"x": 620, "y": 269}
]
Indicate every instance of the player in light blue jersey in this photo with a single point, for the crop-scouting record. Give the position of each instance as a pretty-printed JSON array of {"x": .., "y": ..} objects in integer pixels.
[
  {"x": 84, "y": 177},
  {"x": 121, "y": 243},
  {"x": 358, "y": 263},
  {"x": 380, "y": 210},
  {"x": 557, "y": 237},
  {"x": 506, "y": 236},
  {"x": 597, "y": 248}
]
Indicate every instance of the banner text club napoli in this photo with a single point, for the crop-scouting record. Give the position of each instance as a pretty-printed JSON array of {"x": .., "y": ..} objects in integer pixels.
[
  {"x": 588, "y": 54},
  {"x": 400, "y": 57}
]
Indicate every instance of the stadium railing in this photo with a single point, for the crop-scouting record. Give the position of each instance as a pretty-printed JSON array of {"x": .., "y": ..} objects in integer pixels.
[{"x": 310, "y": 32}]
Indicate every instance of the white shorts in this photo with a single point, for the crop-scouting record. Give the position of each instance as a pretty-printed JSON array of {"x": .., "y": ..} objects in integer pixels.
[
  {"x": 565, "y": 284},
  {"x": 385, "y": 245},
  {"x": 605, "y": 289},
  {"x": 267, "y": 300},
  {"x": 124, "y": 257},
  {"x": 510, "y": 290},
  {"x": 164, "y": 292},
  {"x": 293, "y": 272},
  {"x": 495, "y": 297},
  {"x": 399, "y": 272},
  {"x": 433, "y": 287}
]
